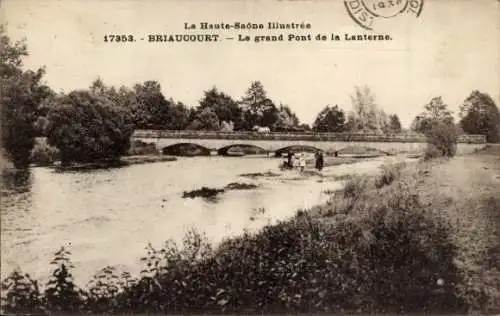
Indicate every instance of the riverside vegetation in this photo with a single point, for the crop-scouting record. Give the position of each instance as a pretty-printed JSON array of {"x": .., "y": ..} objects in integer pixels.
[
  {"x": 398, "y": 243},
  {"x": 389, "y": 243}
]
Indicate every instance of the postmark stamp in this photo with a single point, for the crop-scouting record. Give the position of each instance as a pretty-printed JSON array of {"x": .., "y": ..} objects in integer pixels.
[{"x": 366, "y": 12}]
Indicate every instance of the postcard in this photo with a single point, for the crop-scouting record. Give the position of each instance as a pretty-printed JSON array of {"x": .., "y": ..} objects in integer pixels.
[{"x": 256, "y": 157}]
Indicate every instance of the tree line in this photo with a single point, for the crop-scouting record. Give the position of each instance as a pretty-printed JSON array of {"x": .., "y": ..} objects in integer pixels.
[{"x": 96, "y": 123}]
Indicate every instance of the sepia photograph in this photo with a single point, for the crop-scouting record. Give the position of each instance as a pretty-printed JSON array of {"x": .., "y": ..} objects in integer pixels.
[{"x": 250, "y": 157}]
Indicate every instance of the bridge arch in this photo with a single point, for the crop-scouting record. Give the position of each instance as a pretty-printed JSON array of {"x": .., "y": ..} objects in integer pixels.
[
  {"x": 186, "y": 149},
  {"x": 241, "y": 150},
  {"x": 297, "y": 148}
]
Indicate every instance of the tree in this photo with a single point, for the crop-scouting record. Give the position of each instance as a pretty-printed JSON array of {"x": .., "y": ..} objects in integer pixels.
[
  {"x": 88, "y": 127},
  {"x": 435, "y": 110},
  {"x": 287, "y": 119},
  {"x": 20, "y": 97},
  {"x": 226, "y": 109},
  {"x": 205, "y": 120},
  {"x": 441, "y": 139},
  {"x": 330, "y": 119},
  {"x": 258, "y": 109},
  {"x": 151, "y": 110},
  {"x": 480, "y": 115},
  {"x": 437, "y": 123},
  {"x": 366, "y": 116},
  {"x": 394, "y": 124}
]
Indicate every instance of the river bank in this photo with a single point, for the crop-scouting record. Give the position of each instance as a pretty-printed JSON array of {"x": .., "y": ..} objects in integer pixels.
[{"x": 405, "y": 240}]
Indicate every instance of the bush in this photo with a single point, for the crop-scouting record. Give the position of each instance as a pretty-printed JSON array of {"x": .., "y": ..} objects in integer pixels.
[
  {"x": 432, "y": 152},
  {"x": 388, "y": 175},
  {"x": 22, "y": 295},
  {"x": 355, "y": 186},
  {"x": 88, "y": 127},
  {"x": 441, "y": 139},
  {"x": 139, "y": 147},
  {"x": 44, "y": 155}
]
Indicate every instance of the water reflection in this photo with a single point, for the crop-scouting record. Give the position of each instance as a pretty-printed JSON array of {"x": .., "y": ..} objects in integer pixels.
[{"x": 15, "y": 181}]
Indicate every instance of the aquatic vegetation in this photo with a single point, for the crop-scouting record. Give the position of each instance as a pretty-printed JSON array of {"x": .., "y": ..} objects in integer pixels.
[
  {"x": 204, "y": 192},
  {"x": 260, "y": 174},
  {"x": 212, "y": 193},
  {"x": 241, "y": 186}
]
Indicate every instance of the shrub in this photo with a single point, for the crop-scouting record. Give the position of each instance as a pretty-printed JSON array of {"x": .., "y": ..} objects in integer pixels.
[
  {"x": 388, "y": 175},
  {"x": 431, "y": 152},
  {"x": 44, "y": 155},
  {"x": 408, "y": 249},
  {"x": 22, "y": 295},
  {"x": 355, "y": 186},
  {"x": 138, "y": 147},
  {"x": 61, "y": 294},
  {"x": 441, "y": 139}
]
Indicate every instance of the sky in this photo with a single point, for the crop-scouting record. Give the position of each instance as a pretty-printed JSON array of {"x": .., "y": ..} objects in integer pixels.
[{"x": 451, "y": 49}]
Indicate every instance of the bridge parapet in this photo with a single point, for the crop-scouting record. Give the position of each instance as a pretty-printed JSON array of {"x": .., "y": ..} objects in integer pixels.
[{"x": 279, "y": 136}]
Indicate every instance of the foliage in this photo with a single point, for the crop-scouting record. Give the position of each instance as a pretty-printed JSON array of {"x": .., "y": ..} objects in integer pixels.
[
  {"x": 138, "y": 147},
  {"x": 389, "y": 173},
  {"x": 204, "y": 192},
  {"x": 394, "y": 124},
  {"x": 287, "y": 119},
  {"x": 437, "y": 123},
  {"x": 257, "y": 108},
  {"x": 151, "y": 110},
  {"x": 330, "y": 119},
  {"x": 44, "y": 155},
  {"x": 61, "y": 294},
  {"x": 87, "y": 126},
  {"x": 441, "y": 137},
  {"x": 435, "y": 110},
  {"x": 222, "y": 105},
  {"x": 227, "y": 126},
  {"x": 432, "y": 152},
  {"x": 22, "y": 295},
  {"x": 354, "y": 188},
  {"x": 480, "y": 115},
  {"x": 206, "y": 120},
  {"x": 22, "y": 92},
  {"x": 367, "y": 116}
]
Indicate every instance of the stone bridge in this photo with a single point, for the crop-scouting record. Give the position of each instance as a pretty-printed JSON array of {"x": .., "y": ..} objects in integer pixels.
[{"x": 272, "y": 142}]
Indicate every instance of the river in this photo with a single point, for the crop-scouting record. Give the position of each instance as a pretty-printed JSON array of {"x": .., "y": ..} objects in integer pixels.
[{"x": 107, "y": 217}]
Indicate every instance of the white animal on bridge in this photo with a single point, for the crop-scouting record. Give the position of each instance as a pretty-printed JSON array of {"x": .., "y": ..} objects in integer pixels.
[{"x": 261, "y": 129}]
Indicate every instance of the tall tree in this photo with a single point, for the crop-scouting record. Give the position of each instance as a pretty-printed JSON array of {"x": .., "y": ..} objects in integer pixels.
[
  {"x": 153, "y": 111},
  {"x": 394, "y": 124},
  {"x": 21, "y": 95},
  {"x": 330, "y": 119},
  {"x": 226, "y": 109},
  {"x": 258, "y": 109},
  {"x": 435, "y": 110},
  {"x": 287, "y": 119},
  {"x": 480, "y": 115},
  {"x": 366, "y": 116}
]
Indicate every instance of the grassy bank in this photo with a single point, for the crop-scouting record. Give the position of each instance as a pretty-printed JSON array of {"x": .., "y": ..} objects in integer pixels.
[{"x": 421, "y": 237}]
